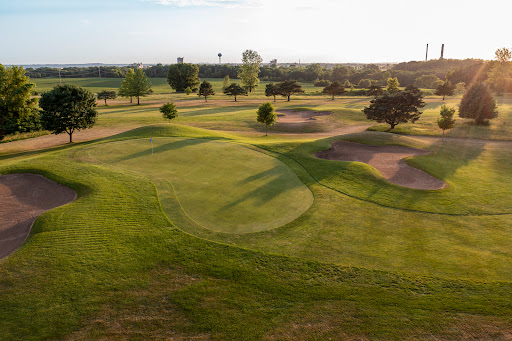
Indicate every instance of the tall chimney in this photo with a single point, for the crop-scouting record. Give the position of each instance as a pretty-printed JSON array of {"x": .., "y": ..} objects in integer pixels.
[
  {"x": 442, "y": 51},
  {"x": 426, "y": 54}
]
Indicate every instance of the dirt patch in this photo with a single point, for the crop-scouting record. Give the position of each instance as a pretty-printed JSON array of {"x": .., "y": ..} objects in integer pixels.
[
  {"x": 387, "y": 160},
  {"x": 299, "y": 117},
  {"x": 24, "y": 197}
]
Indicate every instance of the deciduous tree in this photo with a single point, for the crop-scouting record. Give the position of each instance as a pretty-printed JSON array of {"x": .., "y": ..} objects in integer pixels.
[
  {"x": 235, "y": 90},
  {"x": 272, "y": 90},
  {"x": 182, "y": 76},
  {"x": 499, "y": 74},
  {"x": 140, "y": 85},
  {"x": 68, "y": 108},
  {"x": 445, "y": 89},
  {"x": 106, "y": 94},
  {"x": 250, "y": 69},
  {"x": 16, "y": 102},
  {"x": 334, "y": 89},
  {"x": 478, "y": 103},
  {"x": 446, "y": 121},
  {"x": 288, "y": 88},
  {"x": 205, "y": 89},
  {"x": 126, "y": 89},
  {"x": 266, "y": 115},
  {"x": 400, "y": 107},
  {"x": 169, "y": 110}
]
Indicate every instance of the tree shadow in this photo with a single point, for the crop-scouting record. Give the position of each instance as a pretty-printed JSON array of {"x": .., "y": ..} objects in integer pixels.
[{"x": 174, "y": 145}]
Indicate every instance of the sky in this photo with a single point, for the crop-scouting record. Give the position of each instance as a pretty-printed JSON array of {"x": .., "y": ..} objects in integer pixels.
[{"x": 330, "y": 31}]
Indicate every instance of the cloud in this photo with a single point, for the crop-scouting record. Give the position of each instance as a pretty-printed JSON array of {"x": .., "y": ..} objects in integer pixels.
[{"x": 207, "y": 3}]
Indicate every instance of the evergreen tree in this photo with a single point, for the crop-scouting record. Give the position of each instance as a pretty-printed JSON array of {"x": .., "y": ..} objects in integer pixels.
[
  {"x": 205, "y": 89},
  {"x": 335, "y": 88},
  {"x": 392, "y": 85},
  {"x": 288, "y": 88},
  {"x": 235, "y": 90},
  {"x": 478, "y": 104},
  {"x": 226, "y": 82},
  {"x": 445, "y": 89},
  {"x": 271, "y": 90}
]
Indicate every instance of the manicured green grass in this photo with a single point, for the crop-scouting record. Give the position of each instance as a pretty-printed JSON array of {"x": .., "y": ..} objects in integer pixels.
[{"x": 224, "y": 187}]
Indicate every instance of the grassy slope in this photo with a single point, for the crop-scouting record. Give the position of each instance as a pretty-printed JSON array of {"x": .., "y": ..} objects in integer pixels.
[{"x": 124, "y": 273}]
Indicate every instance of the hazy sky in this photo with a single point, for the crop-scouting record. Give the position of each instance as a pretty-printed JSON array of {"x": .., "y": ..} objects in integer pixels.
[{"x": 152, "y": 31}]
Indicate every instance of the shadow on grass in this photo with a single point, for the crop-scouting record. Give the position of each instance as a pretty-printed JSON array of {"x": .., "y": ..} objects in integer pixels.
[{"x": 163, "y": 148}]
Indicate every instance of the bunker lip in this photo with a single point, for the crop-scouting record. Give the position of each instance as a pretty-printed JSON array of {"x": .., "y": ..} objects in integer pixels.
[
  {"x": 387, "y": 160},
  {"x": 23, "y": 198},
  {"x": 292, "y": 116}
]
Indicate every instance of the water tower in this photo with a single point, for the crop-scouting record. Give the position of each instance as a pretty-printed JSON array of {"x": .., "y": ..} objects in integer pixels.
[{"x": 220, "y": 56}]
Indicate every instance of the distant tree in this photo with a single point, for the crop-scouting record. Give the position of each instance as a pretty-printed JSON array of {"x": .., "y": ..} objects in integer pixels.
[
  {"x": 426, "y": 81},
  {"x": 16, "y": 102},
  {"x": 141, "y": 85},
  {"x": 340, "y": 73},
  {"x": 445, "y": 89},
  {"x": 499, "y": 74},
  {"x": 478, "y": 104},
  {"x": 169, "y": 110},
  {"x": 205, "y": 89},
  {"x": 188, "y": 90},
  {"x": 374, "y": 90},
  {"x": 334, "y": 89},
  {"x": 266, "y": 115},
  {"x": 288, "y": 88},
  {"x": 364, "y": 83},
  {"x": 106, "y": 94},
  {"x": 235, "y": 90},
  {"x": 401, "y": 107},
  {"x": 126, "y": 89},
  {"x": 347, "y": 84},
  {"x": 272, "y": 90},
  {"x": 392, "y": 85},
  {"x": 446, "y": 121},
  {"x": 250, "y": 69},
  {"x": 226, "y": 82},
  {"x": 68, "y": 108},
  {"x": 182, "y": 76},
  {"x": 460, "y": 87}
]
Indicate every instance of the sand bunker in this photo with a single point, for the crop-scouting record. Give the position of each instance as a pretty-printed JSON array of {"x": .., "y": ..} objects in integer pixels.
[
  {"x": 24, "y": 197},
  {"x": 292, "y": 116},
  {"x": 387, "y": 160}
]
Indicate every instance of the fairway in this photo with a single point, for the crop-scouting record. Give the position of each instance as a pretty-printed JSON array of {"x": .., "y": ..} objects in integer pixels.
[{"x": 223, "y": 187}]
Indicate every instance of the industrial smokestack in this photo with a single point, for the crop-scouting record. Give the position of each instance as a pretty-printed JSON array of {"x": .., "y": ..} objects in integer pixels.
[
  {"x": 442, "y": 51},
  {"x": 426, "y": 54}
]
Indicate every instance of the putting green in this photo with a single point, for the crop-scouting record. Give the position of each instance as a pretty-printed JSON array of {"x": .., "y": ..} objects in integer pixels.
[{"x": 221, "y": 186}]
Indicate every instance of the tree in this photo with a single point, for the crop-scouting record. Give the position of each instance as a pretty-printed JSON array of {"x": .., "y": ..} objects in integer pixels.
[
  {"x": 235, "y": 90},
  {"x": 188, "y": 90},
  {"x": 182, "y": 76},
  {"x": 392, "y": 85},
  {"x": 374, "y": 90},
  {"x": 445, "y": 89},
  {"x": 500, "y": 71},
  {"x": 272, "y": 90},
  {"x": 16, "y": 102},
  {"x": 169, "y": 110},
  {"x": 340, "y": 73},
  {"x": 226, "y": 82},
  {"x": 347, "y": 84},
  {"x": 400, "y": 107},
  {"x": 288, "y": 88},
  {"x": 126, "y": 89},
  {"x": 205, "y": 89},
  {"x": 106, "y": 94},
  {"x": 364, "y": 83},
  {"x": 460, "y": 88},
  {"x": 250, "y": 69},
  {"x": 426, "y": 81},
  {"x": 478, "y": 104},
  {"x": 140, "y": 85},
  {"x": 266, "y": 115},
  {"x": 446, "y": 121},
  {"x": 335, "y": 88},
  {"x": 68, "y": 108}
]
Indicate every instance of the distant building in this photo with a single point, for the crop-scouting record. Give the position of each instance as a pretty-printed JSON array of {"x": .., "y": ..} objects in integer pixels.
[
  {"x": 180, "y": 60},
  {"x": 138, "y": 65},
  {"x": 273, "y": 62}
]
